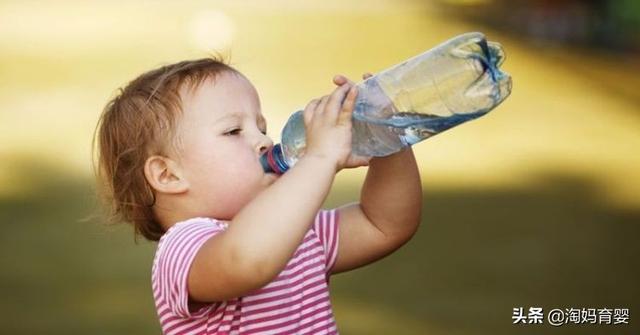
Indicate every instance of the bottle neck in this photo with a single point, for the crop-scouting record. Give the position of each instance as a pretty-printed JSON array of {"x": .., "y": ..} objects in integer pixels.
[{"x": 273, "y": 161}]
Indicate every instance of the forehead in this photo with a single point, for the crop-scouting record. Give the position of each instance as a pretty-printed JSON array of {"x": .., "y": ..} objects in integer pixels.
[{"x": 226, "y": 94}]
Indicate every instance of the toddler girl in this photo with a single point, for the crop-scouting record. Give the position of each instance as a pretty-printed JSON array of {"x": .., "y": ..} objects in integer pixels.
[{"x": 241, "y": 251}]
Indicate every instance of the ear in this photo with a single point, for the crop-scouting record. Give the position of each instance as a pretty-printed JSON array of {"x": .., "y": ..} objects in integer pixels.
[{"x": 164, "y": 175}]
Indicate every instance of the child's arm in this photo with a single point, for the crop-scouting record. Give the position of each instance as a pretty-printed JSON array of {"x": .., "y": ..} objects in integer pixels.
[
  {"x": 263, "y": 236},
  {"x": 388, "y": 213}
]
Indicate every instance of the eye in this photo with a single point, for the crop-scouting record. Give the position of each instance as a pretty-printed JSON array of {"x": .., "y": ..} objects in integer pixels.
[
  {"x": 235, "y": 131},
  {"x": 264, "y": 132}
]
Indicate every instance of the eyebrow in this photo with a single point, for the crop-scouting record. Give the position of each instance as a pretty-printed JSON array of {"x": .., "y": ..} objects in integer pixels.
[
  {"x": 228, "y": 116},
  {"x": 260, "y": 119}
]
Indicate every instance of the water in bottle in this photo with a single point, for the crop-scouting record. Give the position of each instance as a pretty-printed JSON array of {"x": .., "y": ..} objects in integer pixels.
[{"x": 455, "y": 82}]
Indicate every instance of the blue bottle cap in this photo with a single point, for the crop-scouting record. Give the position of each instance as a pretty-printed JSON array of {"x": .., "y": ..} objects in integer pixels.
[{"x": 272, "y": 160}]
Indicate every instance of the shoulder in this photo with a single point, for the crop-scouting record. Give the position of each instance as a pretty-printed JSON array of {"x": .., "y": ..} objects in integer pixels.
[
  {"x": 325, "y": 227},
  {"x": 191, "y": 225},
  {"x": 175, "y": 253},
  {"x": 188, "y": 232}
]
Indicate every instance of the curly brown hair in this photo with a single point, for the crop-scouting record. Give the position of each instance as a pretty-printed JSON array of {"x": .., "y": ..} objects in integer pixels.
[{"x": 137, "y": 123}]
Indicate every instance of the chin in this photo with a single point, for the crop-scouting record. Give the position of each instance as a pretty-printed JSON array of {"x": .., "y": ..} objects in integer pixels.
[
  {"x": 228, "y": 214},
  {"x": 272, "y": 177}
]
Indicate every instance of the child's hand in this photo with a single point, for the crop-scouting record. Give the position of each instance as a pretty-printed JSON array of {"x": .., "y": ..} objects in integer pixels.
[
  {"x": 328, "y": 126},
  {"x": 353, "y": 160}
]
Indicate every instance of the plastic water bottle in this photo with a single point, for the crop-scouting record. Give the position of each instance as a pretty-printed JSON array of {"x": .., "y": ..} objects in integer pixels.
[{"x": 455, "y": 82}]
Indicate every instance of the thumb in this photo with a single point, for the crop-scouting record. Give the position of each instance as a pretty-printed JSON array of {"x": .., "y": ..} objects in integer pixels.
[{"x": 355, "y": 161}]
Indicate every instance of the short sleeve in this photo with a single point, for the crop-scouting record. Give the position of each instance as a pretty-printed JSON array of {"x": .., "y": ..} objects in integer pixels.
[
  {"x": 326, "y": 227},
  {"x": 174, "y": 256}
]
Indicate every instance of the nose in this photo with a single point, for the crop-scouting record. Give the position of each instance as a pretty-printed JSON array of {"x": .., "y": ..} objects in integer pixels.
[{"x": 264, "y": 144}]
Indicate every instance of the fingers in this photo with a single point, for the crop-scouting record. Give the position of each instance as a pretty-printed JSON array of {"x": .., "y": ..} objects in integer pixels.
[
  {"x": 336, "y": 100},
  {"x": 341, "y": 80},
  {"x": 322, "y": 105},
  {"x": 310, "y": 110},
  {"x": 331, "y": 107},
  {"x": 347, "y": 106}
]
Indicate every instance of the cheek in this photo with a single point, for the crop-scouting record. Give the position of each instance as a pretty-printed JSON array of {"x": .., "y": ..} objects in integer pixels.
[
  {"x": 243, "y": 172},
  {"x": 221, "y": 159},
  {"x": 239, "y": 163},
  {"x": 225, "y": 173},
  {"x": 236, "y": 182}
]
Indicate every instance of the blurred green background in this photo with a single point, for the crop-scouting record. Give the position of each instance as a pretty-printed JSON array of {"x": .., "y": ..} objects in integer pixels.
[{"x": 533, "y": 205}]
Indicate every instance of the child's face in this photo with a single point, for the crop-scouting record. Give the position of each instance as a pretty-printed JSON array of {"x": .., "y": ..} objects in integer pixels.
[{"x": 222, "y": 135}]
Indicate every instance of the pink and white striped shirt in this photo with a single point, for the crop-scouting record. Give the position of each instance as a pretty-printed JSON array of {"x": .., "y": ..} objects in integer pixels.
[{"x": 296, "y": 302}]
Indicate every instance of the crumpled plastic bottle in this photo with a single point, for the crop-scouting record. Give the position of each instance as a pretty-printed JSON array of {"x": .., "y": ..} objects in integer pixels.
[{"x": 457, "y": 81}]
